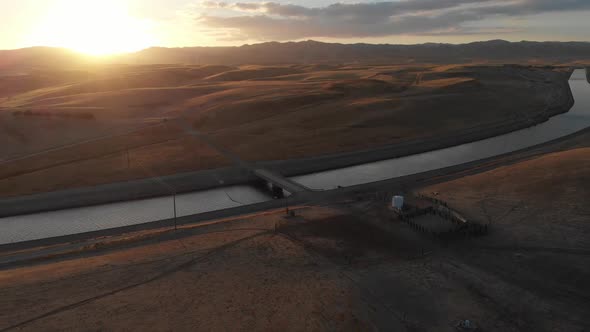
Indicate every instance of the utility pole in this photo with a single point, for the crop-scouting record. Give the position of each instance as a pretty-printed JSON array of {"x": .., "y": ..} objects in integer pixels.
[
  {"x": 174, "y": 200},
  {"x": 287, "y": 205},
  {"x": 128, "y": 160},
  {"x": 169, "y": 188}
]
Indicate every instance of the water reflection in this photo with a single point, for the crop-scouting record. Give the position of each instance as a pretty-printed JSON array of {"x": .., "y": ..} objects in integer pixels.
[
  {"x": 94, "y": 218},
  {"x": 576, "y": 119}
]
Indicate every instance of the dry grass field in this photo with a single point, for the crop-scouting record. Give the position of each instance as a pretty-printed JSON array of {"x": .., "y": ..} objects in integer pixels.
[{"x": 258, "y": 112}]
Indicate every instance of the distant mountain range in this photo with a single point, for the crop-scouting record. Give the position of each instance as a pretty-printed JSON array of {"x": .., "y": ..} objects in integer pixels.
[
  {"x": 317, "y": 52},
  {"x": 314, "y": 52}
]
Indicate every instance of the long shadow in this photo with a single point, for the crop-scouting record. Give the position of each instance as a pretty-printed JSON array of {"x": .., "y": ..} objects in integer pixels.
[{"x": 159, "y": 276}]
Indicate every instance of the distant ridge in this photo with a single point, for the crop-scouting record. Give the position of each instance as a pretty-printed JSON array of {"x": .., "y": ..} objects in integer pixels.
[
  {"x": 26, "y": 59},
  {"x": 318, "y": 52}
]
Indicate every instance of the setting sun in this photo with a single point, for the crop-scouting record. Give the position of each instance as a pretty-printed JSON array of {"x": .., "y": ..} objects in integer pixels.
[{"x": 93, "y": 27}]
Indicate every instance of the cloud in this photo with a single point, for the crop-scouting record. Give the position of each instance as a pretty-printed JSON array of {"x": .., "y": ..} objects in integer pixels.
[
  {"x": 276, "y": 21},
  {"x": 213, "y": 4},
  {"x": 246, "y": 6}
]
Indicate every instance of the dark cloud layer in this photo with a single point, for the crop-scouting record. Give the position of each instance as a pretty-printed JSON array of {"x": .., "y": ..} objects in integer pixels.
[{"x": 270, "y": 20}]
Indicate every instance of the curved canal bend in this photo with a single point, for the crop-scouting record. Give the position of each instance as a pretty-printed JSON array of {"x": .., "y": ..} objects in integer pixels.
[
  {"x": 115, "y": 215},
  {"x": 576, "y": 119}
]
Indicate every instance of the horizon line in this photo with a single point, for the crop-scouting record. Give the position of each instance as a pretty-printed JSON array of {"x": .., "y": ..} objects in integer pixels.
[{"x": 298, "y": 42}]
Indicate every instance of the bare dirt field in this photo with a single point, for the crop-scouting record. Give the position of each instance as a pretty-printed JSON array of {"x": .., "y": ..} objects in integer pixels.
[
  {"x": 544, "y": 206},
  {"x": 258, "y": 112},
  {"x": 346, "y": 266}
]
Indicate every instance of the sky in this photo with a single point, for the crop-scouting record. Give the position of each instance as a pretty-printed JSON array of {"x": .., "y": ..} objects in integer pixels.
[{"x": 111, "y": 26}]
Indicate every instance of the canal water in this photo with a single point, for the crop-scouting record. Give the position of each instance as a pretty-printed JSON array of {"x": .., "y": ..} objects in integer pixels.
[
  {"x": 576, "y": 119},
  {"x": 101, "y": 217}
]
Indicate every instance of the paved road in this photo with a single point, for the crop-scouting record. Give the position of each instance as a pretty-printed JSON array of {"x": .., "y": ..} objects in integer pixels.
[{"x": 280, "y": 181}]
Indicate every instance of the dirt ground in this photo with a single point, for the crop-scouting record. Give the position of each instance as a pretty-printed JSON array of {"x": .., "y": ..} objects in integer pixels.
[
  {"x": 541, "y": 201},
  {"x": 257, "y": 112},
  {"x": 539, "y": 214},
  {"x": 346, "y": 266},
  {"x": 239, "y": 277}
]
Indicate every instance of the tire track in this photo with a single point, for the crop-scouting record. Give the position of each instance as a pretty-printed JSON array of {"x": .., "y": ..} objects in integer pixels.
[{"x": 135, "y": 285}]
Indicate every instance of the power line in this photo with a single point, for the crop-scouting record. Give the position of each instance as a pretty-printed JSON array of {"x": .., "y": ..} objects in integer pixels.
[{"x": 65, "y": 146}]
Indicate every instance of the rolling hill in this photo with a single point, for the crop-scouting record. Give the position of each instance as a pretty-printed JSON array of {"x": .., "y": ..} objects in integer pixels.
[{"x": 311, "y": 52}]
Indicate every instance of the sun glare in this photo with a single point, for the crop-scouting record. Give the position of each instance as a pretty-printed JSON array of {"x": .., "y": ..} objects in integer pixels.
[{"x": 93, "y": 27}]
